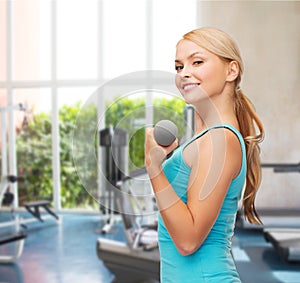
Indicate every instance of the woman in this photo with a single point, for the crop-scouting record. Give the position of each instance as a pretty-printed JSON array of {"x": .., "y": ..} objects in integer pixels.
[{"x": 199, "y": 187}]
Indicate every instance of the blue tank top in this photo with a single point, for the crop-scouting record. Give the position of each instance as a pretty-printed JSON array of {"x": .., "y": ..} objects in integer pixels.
[{"x": 212, "y": 262}]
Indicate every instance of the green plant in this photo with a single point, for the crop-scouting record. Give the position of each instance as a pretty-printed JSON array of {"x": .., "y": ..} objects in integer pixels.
[
  {"x": 34, "y": 151},
  {"x": 129, "y": 115},
  {"x": 34, "y": 146}
]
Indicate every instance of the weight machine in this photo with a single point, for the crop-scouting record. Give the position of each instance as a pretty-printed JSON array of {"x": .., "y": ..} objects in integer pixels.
[
  {"x": 8, "y": 198},
  {"x": 18, "y": 235},
  {"x": 286, "y": 241},
  {"x": 136, "y": 261},
  {"x": 114, "y": 152}
]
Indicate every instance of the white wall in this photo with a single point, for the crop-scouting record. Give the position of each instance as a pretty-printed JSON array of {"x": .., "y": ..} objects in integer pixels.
[{"x": 268, "y": 34}]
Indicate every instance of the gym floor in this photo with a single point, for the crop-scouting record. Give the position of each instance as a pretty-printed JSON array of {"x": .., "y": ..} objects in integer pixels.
[{"x": 65, "y": 252}]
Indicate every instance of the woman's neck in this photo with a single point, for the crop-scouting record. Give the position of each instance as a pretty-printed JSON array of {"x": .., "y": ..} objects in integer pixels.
[{"x": 211, "y": 113}]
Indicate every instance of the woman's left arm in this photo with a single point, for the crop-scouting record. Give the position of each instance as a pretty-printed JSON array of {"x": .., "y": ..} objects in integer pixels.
[{"x": 214, "y": 164}]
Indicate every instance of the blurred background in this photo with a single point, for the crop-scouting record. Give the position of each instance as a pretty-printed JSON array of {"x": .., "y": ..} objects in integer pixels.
[
  {"x": 57, "y": 53},
  {"x": 54, "y": 55}
]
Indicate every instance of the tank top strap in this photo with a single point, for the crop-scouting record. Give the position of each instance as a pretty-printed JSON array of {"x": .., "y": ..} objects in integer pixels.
[
  {"x": 236, "y": 132},
  {"x": 227, "y": 126}
]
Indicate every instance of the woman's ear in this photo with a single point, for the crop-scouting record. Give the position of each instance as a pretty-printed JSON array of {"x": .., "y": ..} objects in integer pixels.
[{"x": 233, "y": 71}]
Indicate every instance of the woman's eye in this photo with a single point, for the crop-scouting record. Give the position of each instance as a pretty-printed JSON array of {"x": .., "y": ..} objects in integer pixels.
[
  {"x": 198, "y": 62},
  {"x": 178, "y": 68}
]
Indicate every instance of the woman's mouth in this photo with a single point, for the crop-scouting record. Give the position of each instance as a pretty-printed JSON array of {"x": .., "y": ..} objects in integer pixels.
[{"x": 189, "y": 86}]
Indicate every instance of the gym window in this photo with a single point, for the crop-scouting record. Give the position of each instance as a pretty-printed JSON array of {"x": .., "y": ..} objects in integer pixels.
[{"x": 57, "y": 53}]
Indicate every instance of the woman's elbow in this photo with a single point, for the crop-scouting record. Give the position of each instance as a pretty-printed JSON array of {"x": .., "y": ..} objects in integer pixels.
[{"x": 188, "y": 248}]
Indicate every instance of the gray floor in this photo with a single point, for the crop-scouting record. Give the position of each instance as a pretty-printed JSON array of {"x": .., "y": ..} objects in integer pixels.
[{"x": 66, "y": 252}]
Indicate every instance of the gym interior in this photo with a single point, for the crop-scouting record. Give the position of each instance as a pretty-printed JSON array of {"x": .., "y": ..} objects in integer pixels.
[{"x": 79, "y": 82}]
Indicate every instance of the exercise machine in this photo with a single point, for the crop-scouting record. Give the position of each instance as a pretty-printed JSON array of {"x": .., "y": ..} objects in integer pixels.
[
  {"x": 33, "y": 208},
  {"x": 274, "y": 218},
  {"x": 17, "y": 236},
  {"x": 129, "y": 265},
  {"x": 286, "y": 241},
  {"x": 17, "y": 231},
  {"x": 137, "y": 260},
  {"x": 114, "y": 152},
  {"x": 8, "y": 197}
]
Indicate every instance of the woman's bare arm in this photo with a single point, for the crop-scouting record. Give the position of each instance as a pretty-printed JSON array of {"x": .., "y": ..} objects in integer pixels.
[{"x": 215, "y": 159}]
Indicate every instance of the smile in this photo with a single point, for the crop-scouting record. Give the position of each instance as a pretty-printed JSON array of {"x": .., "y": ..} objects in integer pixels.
[{"x": 186, "y": 87}]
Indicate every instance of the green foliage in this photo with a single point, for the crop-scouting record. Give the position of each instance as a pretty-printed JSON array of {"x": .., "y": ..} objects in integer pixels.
[
  {"x": 73, "y": 193},
  {"x": 34, "y": 158},
  {"x": 34, "y": 149},
  {"x": 34, "y": 146},
  {"x": 170, "y": 109},
  {"x": 129, "y": 115}
]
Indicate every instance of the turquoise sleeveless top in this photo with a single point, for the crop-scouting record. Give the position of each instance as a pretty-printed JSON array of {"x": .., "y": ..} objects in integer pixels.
[{"x": 212, "y": 262}]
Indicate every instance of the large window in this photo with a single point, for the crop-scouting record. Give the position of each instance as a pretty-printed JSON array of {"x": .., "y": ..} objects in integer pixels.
[
  {"x": 3, "y": 103},
  {"x": 33, "y": 143},
  {"x": 55, "y": 54},
  {"x": 3, "y": 37},
  {"x": 77, "y": 35}
]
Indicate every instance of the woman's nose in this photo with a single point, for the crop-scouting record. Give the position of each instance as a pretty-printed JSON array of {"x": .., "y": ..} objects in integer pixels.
[{"x": 185, "y": 73}]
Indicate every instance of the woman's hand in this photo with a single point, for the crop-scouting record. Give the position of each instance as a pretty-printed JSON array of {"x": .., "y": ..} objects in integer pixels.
[{"x": 155, "y": 154}]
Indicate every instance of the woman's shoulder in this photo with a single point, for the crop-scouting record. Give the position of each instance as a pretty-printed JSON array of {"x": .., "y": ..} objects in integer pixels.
[{"x": 221, "y": 139}]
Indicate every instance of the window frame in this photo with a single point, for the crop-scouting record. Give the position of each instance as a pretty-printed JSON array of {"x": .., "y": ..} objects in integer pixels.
[{"x": 9, "y": 84}]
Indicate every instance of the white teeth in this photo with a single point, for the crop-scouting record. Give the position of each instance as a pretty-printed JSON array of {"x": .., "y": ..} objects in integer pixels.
[{"x": 189, "y": 86}]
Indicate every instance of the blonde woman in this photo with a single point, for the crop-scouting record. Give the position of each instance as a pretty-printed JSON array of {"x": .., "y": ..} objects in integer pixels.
[{"x": 199, "y": 187}]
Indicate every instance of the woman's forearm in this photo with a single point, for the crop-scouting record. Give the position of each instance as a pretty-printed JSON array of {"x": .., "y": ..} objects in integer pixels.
[{"x": 176, "y": 215}]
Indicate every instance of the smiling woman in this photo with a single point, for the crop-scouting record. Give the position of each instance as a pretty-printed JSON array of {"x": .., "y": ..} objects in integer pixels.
[
  {"x": 198, "y": 188},
  {"x": 209, "y": 70}
]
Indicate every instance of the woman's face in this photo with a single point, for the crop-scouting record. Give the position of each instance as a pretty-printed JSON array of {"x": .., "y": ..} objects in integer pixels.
[{"x": 200, "y": 73}]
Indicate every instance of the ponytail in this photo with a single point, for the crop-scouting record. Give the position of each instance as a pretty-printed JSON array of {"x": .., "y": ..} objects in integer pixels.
[
  {"x": 248, "y": 122},
  {"x": 221, "y": 44}
]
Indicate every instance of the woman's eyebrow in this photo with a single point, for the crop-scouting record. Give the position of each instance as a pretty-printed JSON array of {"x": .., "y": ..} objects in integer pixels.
[
  {"x": 190, "y": 56},
  {"x": 195, "y": 54}
]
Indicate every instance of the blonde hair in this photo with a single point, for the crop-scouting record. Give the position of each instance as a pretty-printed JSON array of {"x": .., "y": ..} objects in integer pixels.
[{"x": 222, "y": 45}]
